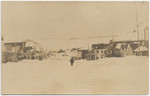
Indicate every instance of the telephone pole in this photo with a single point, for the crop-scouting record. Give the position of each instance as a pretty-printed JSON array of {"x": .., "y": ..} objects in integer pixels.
[{"x": 137, "y": 29}]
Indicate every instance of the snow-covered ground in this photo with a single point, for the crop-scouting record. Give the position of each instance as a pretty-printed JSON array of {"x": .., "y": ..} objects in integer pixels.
[{"x": 127, "y": 75}]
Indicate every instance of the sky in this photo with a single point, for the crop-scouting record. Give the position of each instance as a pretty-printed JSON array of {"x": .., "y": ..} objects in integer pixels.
[{"x": 53, "y": 24}]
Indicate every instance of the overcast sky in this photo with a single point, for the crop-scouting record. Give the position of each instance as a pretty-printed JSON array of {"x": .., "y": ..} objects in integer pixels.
[{"x": 51, "y": 23}]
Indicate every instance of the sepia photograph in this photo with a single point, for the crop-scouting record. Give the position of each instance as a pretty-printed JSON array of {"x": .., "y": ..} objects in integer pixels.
[{"x": 75, "y": 47}]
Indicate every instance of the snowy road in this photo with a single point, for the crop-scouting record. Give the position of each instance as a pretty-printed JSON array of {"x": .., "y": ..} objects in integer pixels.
[{"x": 106, "y": 76}]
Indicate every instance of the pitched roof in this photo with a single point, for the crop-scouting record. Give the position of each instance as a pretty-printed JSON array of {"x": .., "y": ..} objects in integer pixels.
[
  {"x": 14, "y": 43},
  {"x": 134, "y": 46},
  {"x": 124, "y": 46},
  {"x": 141, "y": 49},
  {"x": 99, "y": 46},
  {"x": 73, "y": 49},
  {"x": 61, "y": 51}
]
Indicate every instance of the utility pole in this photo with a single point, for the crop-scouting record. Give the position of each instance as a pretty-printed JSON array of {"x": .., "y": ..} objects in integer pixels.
[
  {"x": 88, "y": 48},
  {"x": 137, "y": 30},
  {"x": 144, "y": 35}
]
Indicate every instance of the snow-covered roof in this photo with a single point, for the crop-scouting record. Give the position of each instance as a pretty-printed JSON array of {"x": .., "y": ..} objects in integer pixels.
[
  {"x": 141, "y": 48},
  {"x": 30, "y": 43},
  {"x": 118, "y": 46}
]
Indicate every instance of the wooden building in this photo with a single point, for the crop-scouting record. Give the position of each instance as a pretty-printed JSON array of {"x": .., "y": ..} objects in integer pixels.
[
  {"x": 143, "y": 51},
  {"x": 16, "y": 51},
  {"x": 90, "y": 55},
  {"x": 128, "y": 49},
  {"x": 76, "y": 53},
  {"x": 84, "y": 53},
  {"x": 99, "y": 50},
  {"x": 13, "y": 51}
]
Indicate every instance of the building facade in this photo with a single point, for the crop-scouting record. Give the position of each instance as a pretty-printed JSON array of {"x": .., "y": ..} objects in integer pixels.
[{"x": 99, "y": 50}]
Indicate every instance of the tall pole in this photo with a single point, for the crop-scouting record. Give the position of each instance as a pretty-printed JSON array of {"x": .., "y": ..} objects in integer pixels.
[
  {"x": 137, "y": 29},
  {"x": 88, "y": 47},
  {"x": 144, "y": 35}
]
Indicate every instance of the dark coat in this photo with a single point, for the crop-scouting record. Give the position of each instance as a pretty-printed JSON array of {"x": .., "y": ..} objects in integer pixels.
[{"x": 71, "y": 61}]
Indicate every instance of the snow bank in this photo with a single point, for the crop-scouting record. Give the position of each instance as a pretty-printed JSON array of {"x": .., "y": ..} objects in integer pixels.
[{"x": 103, "y": 76}]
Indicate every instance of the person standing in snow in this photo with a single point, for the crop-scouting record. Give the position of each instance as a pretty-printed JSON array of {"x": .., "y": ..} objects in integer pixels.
[{"x": 71, "y": 61}]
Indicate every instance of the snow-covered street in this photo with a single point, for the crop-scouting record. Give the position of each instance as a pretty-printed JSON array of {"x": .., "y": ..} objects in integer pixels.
[{"x": 105, "y": 76}]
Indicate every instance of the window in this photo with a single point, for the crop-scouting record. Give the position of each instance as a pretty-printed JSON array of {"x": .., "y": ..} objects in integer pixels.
[
  {"x": 2, "y": 39},
  {"x": 8, "y": 48},
  {"x": 101, "y": 51},
  {"x": 97, "y": 52},
  {"x": 97, "y": 57}
]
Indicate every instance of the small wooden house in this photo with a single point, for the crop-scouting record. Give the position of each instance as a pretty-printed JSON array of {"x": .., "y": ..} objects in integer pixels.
[
  {"x": 76, "y": 54},
  {"x": 90, "y": 55},
  {"x": 128, "y": 49},
  {"x": 84, "y": 53},
  {"x": 14, "y": 46},
  {"x": 143, "y": 51},
  {"x": 33, "y": 50}
]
